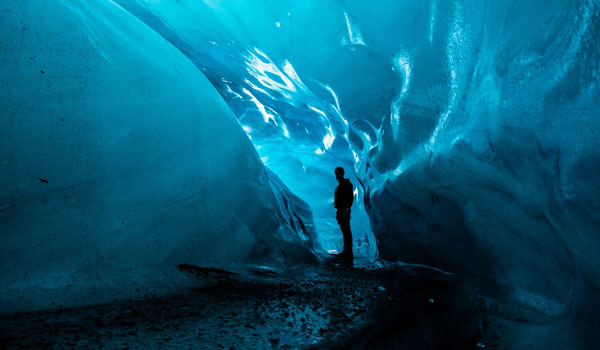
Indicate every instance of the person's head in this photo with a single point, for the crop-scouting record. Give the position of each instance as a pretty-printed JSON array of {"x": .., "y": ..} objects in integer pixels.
[{"x": 339, "y": 173}]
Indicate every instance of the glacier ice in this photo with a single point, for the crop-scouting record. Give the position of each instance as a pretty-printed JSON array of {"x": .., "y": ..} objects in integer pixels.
[
  {"x": 120, "y": 161},
  {"x": 296, "y": 125},
  {"x": 471, "y": 128}
]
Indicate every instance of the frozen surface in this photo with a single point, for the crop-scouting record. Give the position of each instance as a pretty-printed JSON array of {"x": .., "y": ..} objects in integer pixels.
[
  {"x": 119, "y": 161},
  {"x": 469, "y": 128},
  {"x": 296, "y": 125},
  {"x": 471, "y": 125}
]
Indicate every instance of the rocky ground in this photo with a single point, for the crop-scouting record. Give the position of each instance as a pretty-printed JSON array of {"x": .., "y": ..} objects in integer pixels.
[{"x": 333, "y": 306}]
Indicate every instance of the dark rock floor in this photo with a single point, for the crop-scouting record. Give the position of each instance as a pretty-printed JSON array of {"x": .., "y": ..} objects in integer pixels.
[{"x": 333, "y": 307}]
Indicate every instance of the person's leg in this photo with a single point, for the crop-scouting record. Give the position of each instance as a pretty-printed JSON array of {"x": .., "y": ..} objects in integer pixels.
[{"x": 347, "y": 233}]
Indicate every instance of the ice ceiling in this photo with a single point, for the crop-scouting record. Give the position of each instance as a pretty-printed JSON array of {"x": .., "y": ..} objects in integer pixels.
[{"x": 469, "y": 128}]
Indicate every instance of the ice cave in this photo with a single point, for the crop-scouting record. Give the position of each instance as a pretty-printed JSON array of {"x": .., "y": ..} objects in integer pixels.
[{"x": 140, "y": 136}]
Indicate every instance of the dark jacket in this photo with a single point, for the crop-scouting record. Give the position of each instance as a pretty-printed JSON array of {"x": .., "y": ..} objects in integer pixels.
[{"x": 344, "y": 195}]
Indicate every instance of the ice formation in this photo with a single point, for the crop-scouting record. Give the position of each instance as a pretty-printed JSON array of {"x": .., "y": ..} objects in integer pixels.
[
  {"x": 470, "y": 128},
  {"x": 121, "y": 161}
]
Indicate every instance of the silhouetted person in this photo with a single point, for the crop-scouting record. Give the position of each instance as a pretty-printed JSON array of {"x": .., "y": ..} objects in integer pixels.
[{"x": 344, "y": 196}]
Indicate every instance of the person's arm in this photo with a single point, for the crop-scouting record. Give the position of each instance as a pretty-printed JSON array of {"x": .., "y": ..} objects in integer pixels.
[{"x": 349, "y": 195}]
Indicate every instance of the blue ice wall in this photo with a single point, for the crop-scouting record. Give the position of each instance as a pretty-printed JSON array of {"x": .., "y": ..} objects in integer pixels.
[
  {"x": 119, "y": 161},
  {"x": 472, "y": 127},
  {"x": 296, "y": 125},
  {"x": 468, "y": 127}
]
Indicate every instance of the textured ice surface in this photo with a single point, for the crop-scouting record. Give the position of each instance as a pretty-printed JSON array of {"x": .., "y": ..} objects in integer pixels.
[
  {"x": 296, "y": 125},
  {"x": 119, "y": 161},
  {"x": 471, "y": 125}
]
